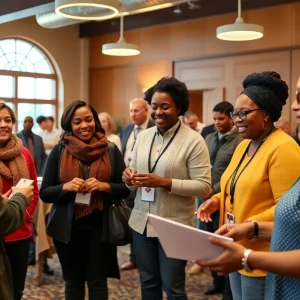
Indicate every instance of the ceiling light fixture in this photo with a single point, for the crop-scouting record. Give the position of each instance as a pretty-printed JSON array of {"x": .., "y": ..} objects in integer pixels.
[
  {"x": 87, "y": 9},
  {"x": 240, "y": 31},
  {"x": 121, "y": 47}
]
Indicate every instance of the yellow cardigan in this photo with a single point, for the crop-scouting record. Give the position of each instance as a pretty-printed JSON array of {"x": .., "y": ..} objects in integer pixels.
[{"x": 272, "y": 171}]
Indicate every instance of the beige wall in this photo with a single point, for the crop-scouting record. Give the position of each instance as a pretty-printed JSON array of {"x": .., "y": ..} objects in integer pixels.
[
  {"x": 186, "y": 41},
  {"x": 65, "y": 47}
]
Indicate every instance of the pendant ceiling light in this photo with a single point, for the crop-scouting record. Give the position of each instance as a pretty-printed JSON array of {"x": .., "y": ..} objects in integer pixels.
[
  {"x": 240, "y": 31},
  {"x": 120, "y": 48},
  {"x": 87, "y": 9}
]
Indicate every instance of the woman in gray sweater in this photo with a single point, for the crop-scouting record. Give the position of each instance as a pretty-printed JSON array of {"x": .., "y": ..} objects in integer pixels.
[{"x": 170, "y": 165}]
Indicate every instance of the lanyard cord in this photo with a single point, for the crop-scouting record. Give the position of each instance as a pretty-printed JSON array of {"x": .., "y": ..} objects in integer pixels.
[
  {"x": 85, "y": 174},
  {"x": 164, "y": 150}
]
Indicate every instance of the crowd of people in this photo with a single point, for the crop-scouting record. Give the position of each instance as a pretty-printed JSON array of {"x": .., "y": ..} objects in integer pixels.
[{"x": 240, "y": 173}]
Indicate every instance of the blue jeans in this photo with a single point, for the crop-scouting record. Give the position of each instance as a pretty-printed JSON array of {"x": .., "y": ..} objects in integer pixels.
[
  {"x": 247, "y": 288},
  {"x": 157, "y": 271}
]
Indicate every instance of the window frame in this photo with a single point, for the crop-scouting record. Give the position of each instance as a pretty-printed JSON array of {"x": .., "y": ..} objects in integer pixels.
[{"x": 16, "y": 100}]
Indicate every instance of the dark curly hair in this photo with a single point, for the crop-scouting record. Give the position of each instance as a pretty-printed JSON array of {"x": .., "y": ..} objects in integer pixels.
[{"x": 175, "y": 88}]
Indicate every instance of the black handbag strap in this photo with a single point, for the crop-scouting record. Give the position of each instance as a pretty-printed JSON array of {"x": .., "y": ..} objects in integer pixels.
[{"x": 111, "y": 154}]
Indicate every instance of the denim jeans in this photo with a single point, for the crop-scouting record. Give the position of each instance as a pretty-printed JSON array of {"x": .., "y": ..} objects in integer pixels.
[
  {"x": 157, "y": 271},
  {"x": 247, "y": 288}
]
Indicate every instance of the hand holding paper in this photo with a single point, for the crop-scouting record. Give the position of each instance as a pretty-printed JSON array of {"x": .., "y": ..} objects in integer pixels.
[
  {"x": 229, "y": 261},
  {"x": 185, "y": 242}
]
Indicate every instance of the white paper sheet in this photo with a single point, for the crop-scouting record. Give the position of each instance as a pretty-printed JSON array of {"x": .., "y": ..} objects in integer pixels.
[{"x": 185, "y": 242}]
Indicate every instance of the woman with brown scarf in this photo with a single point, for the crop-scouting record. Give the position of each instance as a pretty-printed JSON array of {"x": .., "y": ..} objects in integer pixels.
[
  {"x": 16, "y": 163},
  {"x": 80, "y": 181}
]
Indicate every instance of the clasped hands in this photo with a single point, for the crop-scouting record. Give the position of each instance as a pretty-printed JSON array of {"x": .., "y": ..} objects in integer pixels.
[
  {"x": 131, "y": 177},
  {"x": 78, "y": 185}
]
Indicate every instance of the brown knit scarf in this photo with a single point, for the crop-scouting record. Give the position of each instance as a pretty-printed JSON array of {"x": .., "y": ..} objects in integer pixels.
[
  {"x": 95, "y": 153},
  {"x": 17, "y": 166}
]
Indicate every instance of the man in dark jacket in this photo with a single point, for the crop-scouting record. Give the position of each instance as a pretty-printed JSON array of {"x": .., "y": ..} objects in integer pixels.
[
  {"x": 12, "y": 214},
  {"x": 221, "y": 146},
  {"x": 34, "y": 144}
]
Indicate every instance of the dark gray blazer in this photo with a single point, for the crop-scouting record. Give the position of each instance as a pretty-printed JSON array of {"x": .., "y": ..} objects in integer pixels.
[
  {"x": 126, "y": 131},
  {"x": 40, "y": 155},
  {"x": 220, "y": 155}
]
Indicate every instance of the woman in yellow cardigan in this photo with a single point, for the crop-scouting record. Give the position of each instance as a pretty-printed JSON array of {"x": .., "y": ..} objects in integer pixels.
[{"x": 263, "y": 167}]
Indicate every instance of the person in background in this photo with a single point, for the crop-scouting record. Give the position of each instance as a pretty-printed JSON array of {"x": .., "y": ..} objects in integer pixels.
[
  {"x": 50, "y": 135},
  {"x": 139, "y": 116},
  {"x": 34, "y": 144},
  {"x": 172, "y": 161},
  {"x": 42, "y": 122},
  {"x": 15, "y": 163},
  {"x": 82, "y": 179},
  {"x": 283, "y": 124},
  {"x": 259, "y": 173},
  {"x": 208, "y": 130},
  {"x": 221, "y": 146},
  {"x": 12, "y": 213},
  {"x": 192, "y": 121},
  {"x": 109, "y": 125}
]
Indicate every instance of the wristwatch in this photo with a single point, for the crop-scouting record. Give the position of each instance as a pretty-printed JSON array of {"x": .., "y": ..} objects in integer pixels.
[
  {"x": 255, "y": 231},
  {"x": 244, "y": 260}
]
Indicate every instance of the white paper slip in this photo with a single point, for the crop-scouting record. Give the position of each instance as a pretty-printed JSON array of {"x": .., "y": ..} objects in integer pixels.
[
  {"x": 185, "y": 242},
  {"x": 83, "y": 199},
  {"x": 23, "y": 183}
]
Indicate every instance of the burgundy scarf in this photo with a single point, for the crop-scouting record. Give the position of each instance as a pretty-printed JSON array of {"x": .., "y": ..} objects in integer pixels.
[
  {"x": 95, "y": 153},
  {"x": 17, "y": 165}
]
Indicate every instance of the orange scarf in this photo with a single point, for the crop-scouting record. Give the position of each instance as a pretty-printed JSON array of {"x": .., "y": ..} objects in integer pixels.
[
  {"x": 17, "y": 166},
  {"x": 95, "y": 153}
]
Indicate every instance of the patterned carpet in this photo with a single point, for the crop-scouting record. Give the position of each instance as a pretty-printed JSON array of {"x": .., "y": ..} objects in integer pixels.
[{"x": 127, "y": 288}]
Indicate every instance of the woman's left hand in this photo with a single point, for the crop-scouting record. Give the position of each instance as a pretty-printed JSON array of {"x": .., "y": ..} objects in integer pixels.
[
  {"x": 151, "y": 180},
  {"x": 229, "y": 261},
  {"x": 92, "y": 184}
]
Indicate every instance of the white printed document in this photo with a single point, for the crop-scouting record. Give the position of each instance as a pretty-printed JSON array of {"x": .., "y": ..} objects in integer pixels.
[{"x": 185, "y": 242}]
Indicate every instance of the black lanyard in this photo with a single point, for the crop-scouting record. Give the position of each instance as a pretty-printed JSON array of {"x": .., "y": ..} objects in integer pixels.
[
  {"x": 85, "y": 174},
  {"x": 164, "y": 150},
  {"x": 233, "y": 181}
]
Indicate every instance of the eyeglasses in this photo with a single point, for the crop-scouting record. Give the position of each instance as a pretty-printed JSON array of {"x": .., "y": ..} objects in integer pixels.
[{"x": 242, "y": 113}]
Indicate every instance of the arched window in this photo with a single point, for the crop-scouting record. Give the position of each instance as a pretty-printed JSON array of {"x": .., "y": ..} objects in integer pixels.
[{"x": 28, "y": 81}]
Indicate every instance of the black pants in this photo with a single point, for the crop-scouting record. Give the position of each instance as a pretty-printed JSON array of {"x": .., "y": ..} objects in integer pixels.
[
  {"x": 83, "y": 260},
  {"x": 18, "y": 253}
]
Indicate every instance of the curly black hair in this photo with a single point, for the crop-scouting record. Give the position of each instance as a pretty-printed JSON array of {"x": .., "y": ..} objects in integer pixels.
[{"x": 175, "y": 88}]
